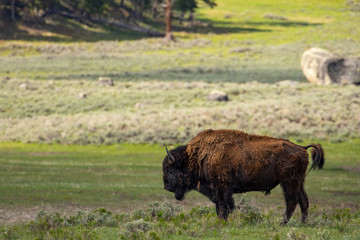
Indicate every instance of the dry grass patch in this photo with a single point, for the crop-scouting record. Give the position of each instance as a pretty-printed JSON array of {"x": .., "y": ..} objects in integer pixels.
[{"x": 73, "y": 112}]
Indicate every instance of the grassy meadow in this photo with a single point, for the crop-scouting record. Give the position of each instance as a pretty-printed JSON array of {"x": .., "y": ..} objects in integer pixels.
[
  {"x": 82, "y": 160},
  {"x": 96, "y": 192}
]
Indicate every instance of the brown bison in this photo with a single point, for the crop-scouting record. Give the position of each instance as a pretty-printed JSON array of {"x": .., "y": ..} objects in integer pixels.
[{"x": 218, "y": 163}]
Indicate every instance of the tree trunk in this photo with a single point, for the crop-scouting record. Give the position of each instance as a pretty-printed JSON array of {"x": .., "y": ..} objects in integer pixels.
[
  {"x": 13, "y": 10},
  {"x": 122, "y": 3},
  {"x": 191, "y": 18},
  {"x": 154, "y": 9},
  {"x": 182, "y": 15},
  {"x": 168, "y": 36}
]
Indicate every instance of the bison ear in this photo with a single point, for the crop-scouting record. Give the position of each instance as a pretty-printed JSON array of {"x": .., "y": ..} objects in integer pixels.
[{"x": 170, "y": 157}]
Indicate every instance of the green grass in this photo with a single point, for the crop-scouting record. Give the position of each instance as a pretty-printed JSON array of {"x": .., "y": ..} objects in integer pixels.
[
  {"x": 55, "y": 174},
  {"x": 122, "y": 175},
  {"x": 125, "y": 178}
]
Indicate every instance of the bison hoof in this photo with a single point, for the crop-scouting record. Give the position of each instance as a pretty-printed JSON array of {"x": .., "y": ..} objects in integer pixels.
[
  {"x": 284, "y": 222},
  {"x": 179, "y": 197}
]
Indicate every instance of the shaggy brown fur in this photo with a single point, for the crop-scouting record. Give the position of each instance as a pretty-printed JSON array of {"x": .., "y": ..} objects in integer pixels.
[
  {"x": 252, "y": 152},
  {"x": 218, "y": 163}
]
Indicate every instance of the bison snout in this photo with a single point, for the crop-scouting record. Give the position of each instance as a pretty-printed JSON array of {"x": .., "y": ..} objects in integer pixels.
[{"x": 169, "y": 188}]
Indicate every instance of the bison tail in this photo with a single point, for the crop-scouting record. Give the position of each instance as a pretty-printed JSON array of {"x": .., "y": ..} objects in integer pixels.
[
  {"x": 318, "y": 159},
  {"x": 322, "y": 157}
]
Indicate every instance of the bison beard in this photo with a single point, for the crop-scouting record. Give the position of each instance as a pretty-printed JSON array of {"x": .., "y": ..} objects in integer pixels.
[{"x": 218, "y": 163}]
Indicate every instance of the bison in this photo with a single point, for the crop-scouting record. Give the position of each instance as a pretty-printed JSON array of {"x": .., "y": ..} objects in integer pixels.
[{"x": 218, "y": 163}]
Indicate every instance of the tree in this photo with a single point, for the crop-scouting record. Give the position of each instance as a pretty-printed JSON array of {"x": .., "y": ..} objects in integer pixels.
[
  {"x": 31, "y": 11},
  {"x": 86, "y": 7},
  {"x": 210, "y": 3},
  {"x": 140, "y": 6},
  {"x": 93, "y": 6},
  {"x": 183, "y": 6},
  {"x": 191, "y": 5},
  {"x": 13, "y": 10},
  {"x": 168, "y": 36}
]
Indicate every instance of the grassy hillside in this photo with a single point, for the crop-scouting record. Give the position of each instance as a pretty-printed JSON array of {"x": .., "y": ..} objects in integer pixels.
[{"x": 234, "y": 42}]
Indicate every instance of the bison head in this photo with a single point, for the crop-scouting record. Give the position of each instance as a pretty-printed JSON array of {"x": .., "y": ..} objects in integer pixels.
[{"x": 176, "y": 176}]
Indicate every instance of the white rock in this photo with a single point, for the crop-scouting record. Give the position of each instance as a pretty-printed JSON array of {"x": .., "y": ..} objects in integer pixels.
[{"x": 217, "y": 96}]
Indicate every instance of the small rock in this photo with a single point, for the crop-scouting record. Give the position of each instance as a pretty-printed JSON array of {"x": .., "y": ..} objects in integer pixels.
[
  {"x": 287, "y": 83},
  {"x": 23, "y": 86},
  {"x": 139, "y": 105},
  {"x": 106, "y": 81},
  {"x": 240, "y": 50},
  {"x": 82, "y": 95},
  {"x": 218, "y": 96}
]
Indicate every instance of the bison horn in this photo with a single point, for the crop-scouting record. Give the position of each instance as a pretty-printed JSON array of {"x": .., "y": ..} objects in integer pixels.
[{"x": 171, "y": 158}]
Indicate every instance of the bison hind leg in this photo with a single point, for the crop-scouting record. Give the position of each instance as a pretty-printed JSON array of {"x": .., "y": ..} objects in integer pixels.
[
  {"x": 267, "y": 192},
  {"x": 291, "y": 192},
  {"x": 304, "y": 203}
]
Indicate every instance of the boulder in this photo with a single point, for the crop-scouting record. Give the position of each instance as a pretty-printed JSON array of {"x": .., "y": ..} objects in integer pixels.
[
  {"x": 217, "y": 96},
  {"x": 323, "y": 68},
  {"x": 106, "y": 81}
]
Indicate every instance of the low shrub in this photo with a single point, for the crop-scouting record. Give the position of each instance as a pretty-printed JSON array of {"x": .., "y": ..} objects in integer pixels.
[
  {"x": 53, "y": 224},
  {"x": 158, "y": 210},
  {"x": 136, "y": 229},
  {"x": 97, "y": 218}
]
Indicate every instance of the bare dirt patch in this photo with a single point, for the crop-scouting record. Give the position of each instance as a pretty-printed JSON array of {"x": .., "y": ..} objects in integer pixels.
[
  {"x": 352, "y": 169},
  {"x": 15, "y": 215},
  {"x": 47, "y": 153}
]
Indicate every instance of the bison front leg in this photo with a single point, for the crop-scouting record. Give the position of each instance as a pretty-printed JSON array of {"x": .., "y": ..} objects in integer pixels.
[
  {"x": 223, "y": 210},
  {"x": 224, "y": 202}
]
